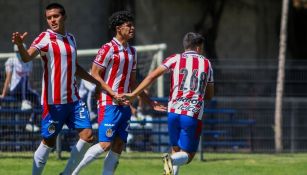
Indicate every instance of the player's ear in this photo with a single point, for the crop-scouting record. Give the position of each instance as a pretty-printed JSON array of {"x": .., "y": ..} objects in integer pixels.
[{"x": 198, "y": 49}]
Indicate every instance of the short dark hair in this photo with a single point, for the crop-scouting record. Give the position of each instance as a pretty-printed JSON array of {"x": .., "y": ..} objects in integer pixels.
[
  {"x": 191, "y": 40},
  {"x": 119, "y": 18},
  {"x": 56, "y": 6}
]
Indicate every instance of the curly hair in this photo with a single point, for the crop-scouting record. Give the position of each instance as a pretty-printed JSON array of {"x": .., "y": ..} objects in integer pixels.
[{"x": 119, "y": 18}]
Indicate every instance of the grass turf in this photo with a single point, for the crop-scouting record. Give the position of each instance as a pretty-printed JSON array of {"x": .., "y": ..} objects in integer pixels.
[{"x": 151, "y": 164}]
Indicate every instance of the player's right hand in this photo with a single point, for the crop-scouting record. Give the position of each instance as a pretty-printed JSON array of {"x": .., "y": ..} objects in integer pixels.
[
  {"x": 121, "y": 100},
  {"x": 129, "y": 96},
  {"x": 17, "y": 38}
]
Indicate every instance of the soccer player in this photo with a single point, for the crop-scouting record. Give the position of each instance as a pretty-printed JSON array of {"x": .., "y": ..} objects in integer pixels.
[
  {"x": 191, "y": 84},
  {"x": 115, "y": 68},
  {"x": 60, "y": 99}
]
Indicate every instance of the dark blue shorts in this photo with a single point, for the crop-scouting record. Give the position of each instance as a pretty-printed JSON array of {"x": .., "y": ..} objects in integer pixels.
[
  {"x": 184, "y": 131},
  {"x": 114, "y": 121},
  {"x": 75, "y": 115}
]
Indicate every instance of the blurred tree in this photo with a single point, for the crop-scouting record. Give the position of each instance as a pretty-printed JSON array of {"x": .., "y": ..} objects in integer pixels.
[{"x": 209, "y": 23}]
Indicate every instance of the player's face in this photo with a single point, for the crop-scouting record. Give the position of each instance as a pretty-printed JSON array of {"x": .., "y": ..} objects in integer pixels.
[
  {"x": 55, "y": 20},
  {"x": 126, "y": 30}
]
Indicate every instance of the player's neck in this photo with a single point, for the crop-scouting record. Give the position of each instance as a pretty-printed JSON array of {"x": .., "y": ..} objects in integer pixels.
[
  {"x": 122, "y": 40},
  {"x": 60, "y": 31}
]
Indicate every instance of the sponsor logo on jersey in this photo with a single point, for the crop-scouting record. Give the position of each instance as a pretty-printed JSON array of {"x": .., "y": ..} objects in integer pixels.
[
  {"x": 192, "y": 101},
  {"x": 109, "y": 132},
  {"x": 188, "y": 104}
]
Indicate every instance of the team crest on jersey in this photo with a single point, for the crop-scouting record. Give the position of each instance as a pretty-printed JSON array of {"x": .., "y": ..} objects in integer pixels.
[
  {"x": 51, "y": 128},
  {"x": 109, "y": 132}
]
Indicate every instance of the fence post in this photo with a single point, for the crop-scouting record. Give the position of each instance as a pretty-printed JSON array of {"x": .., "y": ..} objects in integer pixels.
[{"x": 58, "y": 146}]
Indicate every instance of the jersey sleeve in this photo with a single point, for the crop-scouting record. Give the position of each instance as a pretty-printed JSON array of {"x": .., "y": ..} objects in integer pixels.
[
  {"x": 134, "y": 53},
  {"x": 104, "y": 55},
  {"x": 9, "y": 64},
  {"x": 170, "y": 62},
  {"x": 41, "y": 43},
  {"x": 73, "y": 39}
]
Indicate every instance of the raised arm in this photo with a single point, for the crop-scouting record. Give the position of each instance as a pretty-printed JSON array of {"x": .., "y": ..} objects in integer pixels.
[{"x": 26, "y": 55}]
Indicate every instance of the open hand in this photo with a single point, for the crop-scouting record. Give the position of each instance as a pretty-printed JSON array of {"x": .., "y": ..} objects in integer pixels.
[
  {"x": 158, "y": 106},
  {"x": 17, "y": 38}
]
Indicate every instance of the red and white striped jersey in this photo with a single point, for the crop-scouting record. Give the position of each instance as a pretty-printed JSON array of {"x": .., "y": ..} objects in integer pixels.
[
  {"x": 118, "y": 62},
  {"x": 190, "y": 73},
  {"x": 58, "y": 53}
]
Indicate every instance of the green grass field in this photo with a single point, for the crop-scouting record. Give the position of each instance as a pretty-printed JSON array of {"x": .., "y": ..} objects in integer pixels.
[{"x": 151, "y": 164}]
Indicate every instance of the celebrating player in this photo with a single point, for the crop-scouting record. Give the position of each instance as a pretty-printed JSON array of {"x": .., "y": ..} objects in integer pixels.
[
  {"x": 191, "y": 83},
  {"x": 60, "y": 99},
  {"x": 115, "y": 68}
]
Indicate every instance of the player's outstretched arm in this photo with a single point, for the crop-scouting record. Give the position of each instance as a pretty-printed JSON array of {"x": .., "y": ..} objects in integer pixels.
[
  {"x": 144, "y": 84},
  {"x": 97, "y": 71},
  {"x": 26, "y": 55}
]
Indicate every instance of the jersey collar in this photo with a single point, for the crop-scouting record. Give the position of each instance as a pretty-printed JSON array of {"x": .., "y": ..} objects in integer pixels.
[
  {"x": 51, "y": 31},
  {"x": 190, "y": 52},
  {"x": 118, "y": 43}
]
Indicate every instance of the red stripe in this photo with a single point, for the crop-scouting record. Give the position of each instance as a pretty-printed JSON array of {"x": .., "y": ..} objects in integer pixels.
[
  {"x": 168, "y": 58},
  {"x": 102, "y": 53},
  {"x": 172, "y": 110},
  {"x": 45, "y": 90},
  {"x": 101, "y": 113},
  {"x": 69, "y": 70},
  {"x": 57, "y": 70},
  {"x": 173, "y": 65},
  {"x": 45, "y": 110},
  {"x": 206, "y": 66},
  {"x": 183, "y": 112},
  {"x": 194, "y": 67},
  {"x": 124, "y": 74},
  {"x": 182, "y": 64},
  {"x": 171, "y": 89},
  {"x": 116, "y": 62},
  {"x": 39, "y": 38}
]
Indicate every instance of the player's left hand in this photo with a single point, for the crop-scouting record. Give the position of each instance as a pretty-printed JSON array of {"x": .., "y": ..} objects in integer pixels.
[
  {"x": 18, "y": 38},
  {"x": 158, "y": 106},
  {"x": 121, "y": 100}
]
